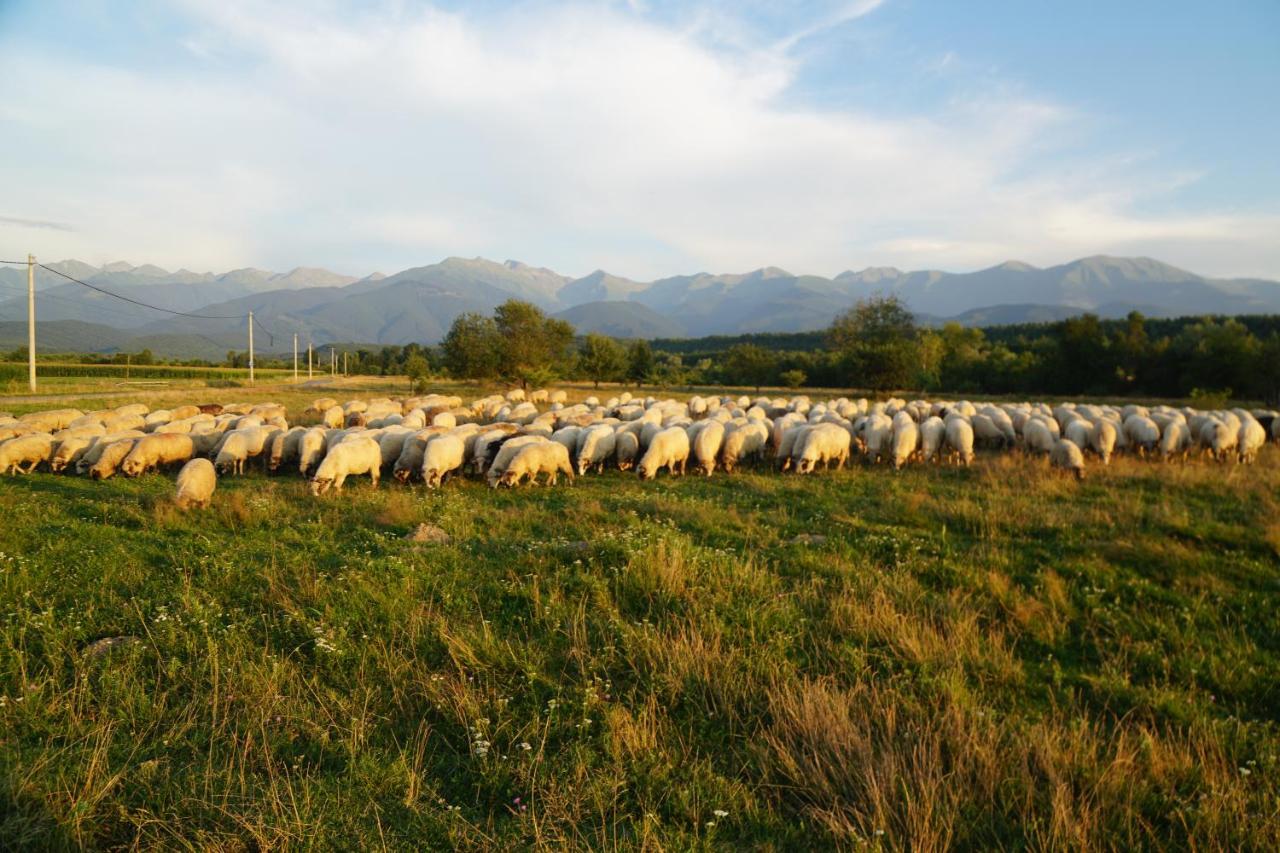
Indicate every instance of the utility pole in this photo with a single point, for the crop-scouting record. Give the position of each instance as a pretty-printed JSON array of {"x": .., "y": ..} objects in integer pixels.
[
  {"x": 344, "y": 362},
  {"x": 31, "y": 320},
  {"x": 250, "y": 347},
  {"x": 308, "y": 359},
  {"x": 295, "y": 356},
  {"x": 333, "y": 361}
]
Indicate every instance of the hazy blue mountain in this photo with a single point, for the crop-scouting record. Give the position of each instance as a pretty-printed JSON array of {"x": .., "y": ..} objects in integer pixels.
[
  {"x": 622, "y": 320},
  {"x": 419, "y": 304}
]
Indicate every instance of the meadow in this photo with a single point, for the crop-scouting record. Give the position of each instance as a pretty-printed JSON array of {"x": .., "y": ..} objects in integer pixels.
[{"x": 992, "y": 657}]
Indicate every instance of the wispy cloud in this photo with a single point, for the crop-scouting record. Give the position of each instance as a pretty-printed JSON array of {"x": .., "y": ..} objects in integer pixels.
[
  {"x": 571, "y": 136},
  {"x": 35, "y": 223}
]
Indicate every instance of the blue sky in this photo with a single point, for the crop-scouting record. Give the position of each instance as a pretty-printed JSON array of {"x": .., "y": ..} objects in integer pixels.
[{"x": 648, "y": 138}]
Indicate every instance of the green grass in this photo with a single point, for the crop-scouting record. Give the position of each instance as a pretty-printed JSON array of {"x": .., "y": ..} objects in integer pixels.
[{"x": 996, "y": 657}]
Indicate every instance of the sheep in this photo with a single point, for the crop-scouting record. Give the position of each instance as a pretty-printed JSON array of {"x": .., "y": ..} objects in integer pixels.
[
  {"x": 1176, "y": 439},
  {"x": 442, "y": 455},
  {"x": 29, "y": 450},
  {"x": 906, "y": 440},
  {"x": 1077, "y": 432},
  {"x": 933, "y": 432},
  {"x": 495, "y": 436},
  {"x": 311, "y": 449},
  {"x": 1141, "y": 432},
  {"x": 360, "y": 455},
  {"x": 196, "y": 482},
  {"x": 70, "y": 451},
  {"x": 960, "y": 439},
  {"x": 825, "y": 443},
  {"x": 50, "y": 421},
  {"x": 1219, "y": 439},
  {"x": 595, "y": 447},
  {"x": 706, "y": 446},
  {"x": 1036, "y": 436},
  {"x": 152, "y": 451},
  {"x": 502, "y": 458},
  {"x": 1249, "y": 440},
  {"x": 108, "y": 462},
  {"x": 747, "y": 441},
  {"x": 285, "y": 448},
  {"x": 1102, "y": 440},
  {"x": 669, "y": 449},
  {"x": 333, "y": 417},
  {"x": 626, "y": 448},
  {"x": 549, "y": 457},
  {"x": 792, "y": 438},
  {"x": 1066, "y": 455},
  {"x": 95, "y": 450},
  {"x": 877, "y": 432}
]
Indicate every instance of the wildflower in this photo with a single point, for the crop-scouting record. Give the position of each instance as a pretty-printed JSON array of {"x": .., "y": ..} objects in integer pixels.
[{"x": 720, "y": 813}]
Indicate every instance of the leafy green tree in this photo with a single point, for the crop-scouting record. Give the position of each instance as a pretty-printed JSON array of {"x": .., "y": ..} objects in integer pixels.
[
  {"x": 601, "y": 359},
  {"x": 417, "y": 369},
  {"x": 639, "y": 361},
  {"x": 531, "y": 345},
  {"x": 749, "y": 364},
  {"x": 793, "y": 378},
  {"x": 876, "y": 343},
  {"x": 472, "y": 348}
]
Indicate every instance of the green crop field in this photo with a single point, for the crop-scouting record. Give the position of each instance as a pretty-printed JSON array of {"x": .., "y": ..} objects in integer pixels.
[{"x": 992, "y": 657}]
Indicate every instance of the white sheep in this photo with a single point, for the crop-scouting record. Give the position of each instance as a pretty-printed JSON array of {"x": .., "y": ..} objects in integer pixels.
[
  {"x": 311, "y": 449},
  {"x": 1066, "y": 455},
  {"x": 196, "y": 482},
  {"x": 1102, "y": 440},
  {"x": 595, "y": 447},
  {"x": 906, "y": 440},
  {"x": 1219, "y": 438},
  {"x": 822, "y": 443},
  {"x": 1141, "y": 432},
  {"x": 442, "y": 455},
  {"x": 108, "y": 461},
  {"x": 706, "y": 445},
  {"x": 543, "y": 457},
  {"x": 1175, "y": 440},
  {"x": 669, "y": 449},
  {"x": 360, "y": 455},
  {"x": 746, "y": 441},
  {"x": 1037, "y": 437},
  {"x": 626, "y": 447},
  {"x": 1250, "y": 439},
  {"x": 29, "y": 450},
  {"x": 153, "y": 451},
  {"x": 285, "y": 447},
  {"x": 960, "y": 438},
  {"x": 506, "y": 453},
  {"x": 933, "y": 432}
]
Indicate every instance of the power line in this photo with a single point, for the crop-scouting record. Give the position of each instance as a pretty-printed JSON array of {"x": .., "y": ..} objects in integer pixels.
[{"x": 143, "y": 304}]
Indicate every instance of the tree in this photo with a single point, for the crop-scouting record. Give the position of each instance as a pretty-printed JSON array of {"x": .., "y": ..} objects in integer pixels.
[
  {"x": 531, "y": 345},
  {"x": 876, "y": 343},
  {"x": 748, "y": 364},
  {"x": 793, "y": 378},
  {"x": 417, "y": 369},
  {"x": 472, "y": 347},
  {"x": 639, "y": 361},
  {"x": 601, "y": 359}
]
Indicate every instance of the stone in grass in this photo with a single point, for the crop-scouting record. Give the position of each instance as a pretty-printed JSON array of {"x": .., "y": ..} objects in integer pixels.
[
  {"x": 98, "y": 648},
  {"x": 428, "y": 534},
  {"x": 809, "y": 539}
]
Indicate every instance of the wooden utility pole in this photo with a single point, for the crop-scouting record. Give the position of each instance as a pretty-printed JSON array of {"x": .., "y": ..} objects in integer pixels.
[
  {"x": 344, "y": 362},
  {"x": 295, "y": 356},
  {"x": 333, "y": 361},
  {"x": 31, "y": 321},
  {"x": 308, "y": 359},
  {"x": 250, "y": 347}
]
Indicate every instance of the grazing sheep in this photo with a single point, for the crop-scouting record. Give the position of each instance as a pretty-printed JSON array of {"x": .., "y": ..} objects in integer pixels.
[
  {"x": 239, "y": 446},
  {"x": 825, "y": 443},
  {"x": 960, "y": 439},
  {"x": 1037, "y": 437},
  {"x": 505, "y": 453},
  {"x": 311, "y": 449},
  {"x": 1067, "y": 456},
  {"x": 196, "y": 482},
  {"x": 706, "y": 446},
  {"x": 626, "y": 447},
  {"x": 933, "y": 432},
  {"x": 443, "y": 455},
  {"x": 595, "y": 448},
  {"x": 792, "y": 438},
  {"x": 155, "y": 450},
  {"x": 906, "y": 440},
  {"x": 1219, "y": 439},
  {"x": 70, "y": 451},
  {"x": 50, "y": 421},
  {"x": 543, "y": 457},
  {"x": 95, "y": 451},
  {"x": 359, "y": 455},
  {"x": 29, "y": 450},
  {"x": 1141, "y": 432},
  {"x": 747, "y": 441},
  {"x": 1175, "y": 440},
  {"x": 1102, "y": 440},
  {"x": 108, "y": 462},
  {"x": 669, "y": 449},
  {"x": 284, "y": 448},
  {"x": 333, "y": 417},
  {"x": 1249, "y": 440}
]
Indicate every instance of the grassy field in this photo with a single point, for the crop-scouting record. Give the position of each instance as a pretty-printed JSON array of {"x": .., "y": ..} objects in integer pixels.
[{"x": 996, "y": 657}]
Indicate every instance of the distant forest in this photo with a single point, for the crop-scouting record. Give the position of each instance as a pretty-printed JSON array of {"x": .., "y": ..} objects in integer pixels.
[{"x": 876, "y": 346}]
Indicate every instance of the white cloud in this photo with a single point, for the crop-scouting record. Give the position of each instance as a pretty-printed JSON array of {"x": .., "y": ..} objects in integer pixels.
[{"x": 574, "y": 137}]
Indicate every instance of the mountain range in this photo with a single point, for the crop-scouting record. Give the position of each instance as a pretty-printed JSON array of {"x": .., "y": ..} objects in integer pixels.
[{"x": 419, "y": 304}]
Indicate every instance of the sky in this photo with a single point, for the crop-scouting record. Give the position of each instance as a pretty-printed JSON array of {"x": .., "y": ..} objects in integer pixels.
[{"x": 647, "y": 138}]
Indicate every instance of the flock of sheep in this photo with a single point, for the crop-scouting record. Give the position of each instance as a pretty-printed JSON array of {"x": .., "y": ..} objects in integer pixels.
[{"x": 509, "y": 439}]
